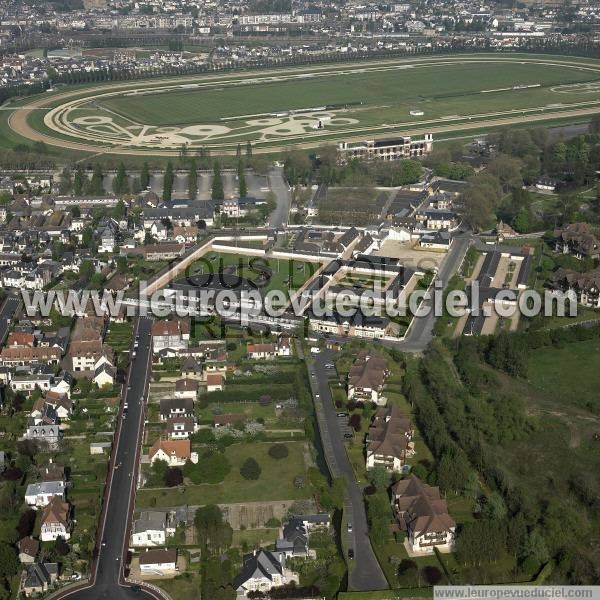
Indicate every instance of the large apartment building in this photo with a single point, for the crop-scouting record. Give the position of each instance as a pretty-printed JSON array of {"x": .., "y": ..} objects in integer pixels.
[{"x": 387, "y": 148}]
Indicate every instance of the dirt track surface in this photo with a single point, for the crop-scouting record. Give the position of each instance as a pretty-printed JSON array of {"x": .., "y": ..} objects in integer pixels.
[{"x": 18, "y": 120}]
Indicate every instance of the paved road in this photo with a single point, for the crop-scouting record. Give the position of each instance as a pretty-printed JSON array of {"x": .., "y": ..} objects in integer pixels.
[
  {"x": 279, "y": 186},
  {"x": 7, "y": 313},
  {"x": 421, "y": 330},
  {"x": 107, "y": 578},
  {"x": 365, "y": 574}
]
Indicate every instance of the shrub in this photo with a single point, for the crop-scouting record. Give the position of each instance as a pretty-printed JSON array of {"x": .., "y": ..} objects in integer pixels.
[
  {"x": 279, "y": 451},
  {"x": 355, "y": 422},
  {"x": 212, "y": 467},
  {"x": 26, "y": 523},
  {"x": 250, "y": 469},
  {"x": 273, "y": 522},
  {"x": 432, "y": 575},
  {"x": 173, "y": 477},
  {"x": 203, "y": 436}
]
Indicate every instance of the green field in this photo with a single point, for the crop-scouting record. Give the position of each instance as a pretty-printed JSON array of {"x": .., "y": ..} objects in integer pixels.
[
  {"x": 275, "y": 483},
  {"x": 391, "y": 93},
  {"x": 356, "y": 100},
  {"x": 286, "y": 274}
]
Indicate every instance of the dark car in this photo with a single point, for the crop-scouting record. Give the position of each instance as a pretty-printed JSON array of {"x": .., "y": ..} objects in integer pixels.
[{"x": 351, "y": 554}]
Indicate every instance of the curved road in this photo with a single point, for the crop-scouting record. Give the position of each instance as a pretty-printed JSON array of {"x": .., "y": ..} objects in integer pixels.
[
  {"x": 18, "y": 120},
  {"x": 107, "y": 580}
]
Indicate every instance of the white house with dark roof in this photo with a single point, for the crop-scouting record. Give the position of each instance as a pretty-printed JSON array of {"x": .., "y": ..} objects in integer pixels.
[
  {"x": 39, "y": 494},
  {"x": 262, "y": 571}
]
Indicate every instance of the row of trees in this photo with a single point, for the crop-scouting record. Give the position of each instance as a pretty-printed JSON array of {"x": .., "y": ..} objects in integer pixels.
[
  {"x": 323, "y": 167},
  {"x": 466, "y": 422},
  {"x": 524, "y": 156}
]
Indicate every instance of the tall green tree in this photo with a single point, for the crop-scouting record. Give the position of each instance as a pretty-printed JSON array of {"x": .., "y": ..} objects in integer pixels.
[
  {"x": 168, "y": 180},
  {"x": 145, "y": 176},
  {"x": 121, "y": 182},
  {"x": 193, "y": 179},
  {"x": 243, "y": 188},
  {"x": 218, "y": 193},
  {"x": 214, "y": 533},
  {"x": 79, "y": 181},
  {"x": 95, "y": 186},
  {"x": 65, "y": 184}
]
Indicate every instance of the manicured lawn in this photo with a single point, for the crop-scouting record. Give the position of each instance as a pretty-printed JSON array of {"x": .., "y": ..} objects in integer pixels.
[
  {"x": 252, "y": 410},
  {"x": 275, "y": 483},
  {"x": 253, "y": 538},
  {"x": 285, "y": 274},
  {"x": 184, "y": 587},
  {"x": 391, "y": 551},
  {"x": 382, "y": 94}
]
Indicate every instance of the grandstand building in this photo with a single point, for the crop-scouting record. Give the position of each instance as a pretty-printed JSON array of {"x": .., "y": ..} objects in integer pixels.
[{"x": 387, "y": 148}]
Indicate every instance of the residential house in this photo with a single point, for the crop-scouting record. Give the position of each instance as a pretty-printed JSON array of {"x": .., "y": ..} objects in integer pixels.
[
  {"x": 152, "y": 528},
  {"x": 174, "y": 452},
  {"x": 180, "y": 428},
  {"x": 581, "y": 240},
  {"x": 39, "y": 495},
  {"x": 293, "y": 539},
  {"x": 87, "y": 356},
  {"x": 262, "y": 571},
  {"x": 24, "y": 356},
  {"x": 55, "y": 521},
  {"x": 436, "y": 240},
  {"x": 366, "y": 379},
  {"x": 171, "y": 408},
  {"x": 39, "y": 578},
  {"x": 29, "y": 382},
  {"x": 315, "y": 522},
  {"x": 422, "y": 512},
  {"x": 186, "y": 388},
  {"x": 158, "y": 561},
  {"x": 437, "y": 219},
  {"x": 389, "y": 439},
  {"x": 584, "y": 286},
  {"x": 170, "y": 334},
  {"x": 226, "y": 420},
  {"x": 51, "y": 472},
  {"x": 191, "y": 368},
  {"x": 214, "y": 382},
  {"x": 44, "y": 434},
  {"x": 240, "y": 207},
  {"x": 105, "y": 375},
  {"x": 270, "y": 350},
  {"x": 28, "y": 550},
  {"x": 62, "y": 385},
  {"x": 184, "y": 235},
  {"x": 20, "y": 339}
]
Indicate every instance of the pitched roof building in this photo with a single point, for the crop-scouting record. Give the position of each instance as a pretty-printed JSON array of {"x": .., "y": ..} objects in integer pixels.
[
  {"x": 366, "y": 378},
  {"x": 55, "y": 521},
  {"x": 173, "y": 452},
  {"x": 579, "y": 239},
  {"x": 424, "y": 514},
  {"x": 389, "y": 439}
]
